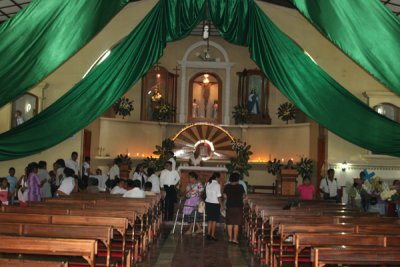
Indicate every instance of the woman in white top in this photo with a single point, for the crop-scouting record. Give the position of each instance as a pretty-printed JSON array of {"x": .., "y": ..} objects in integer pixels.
[
  {"x": 120, "y": 188},
  {"x": 155, "y": 181},
  {"x": 140, "y": 175},
  {"x": 68, "y": 184},
  {"x": 213, "y": 204}
]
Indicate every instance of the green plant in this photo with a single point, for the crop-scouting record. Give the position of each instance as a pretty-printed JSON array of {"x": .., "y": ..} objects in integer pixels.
[
  {"x": 240, "y": 163},
  {"x": 240, "y": 114},
  {"x": 274, "y": 166},
  {"x": 161, "y": 151},
  {"x": 124, "y": 159},
  {"x": 163, "y": 112},
  {"x": 287, "y": 112},
  {"x": 305, "y": 167},
  {"x": 123, "y": 106}
]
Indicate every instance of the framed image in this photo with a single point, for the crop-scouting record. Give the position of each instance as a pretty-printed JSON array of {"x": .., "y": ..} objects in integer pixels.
[{"x": 253, "y": 93}]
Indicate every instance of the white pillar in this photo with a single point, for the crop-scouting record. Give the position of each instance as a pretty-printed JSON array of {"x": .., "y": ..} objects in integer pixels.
[
  {"x": 227, "y": 100},
  {"x": 183, "y": 100}
]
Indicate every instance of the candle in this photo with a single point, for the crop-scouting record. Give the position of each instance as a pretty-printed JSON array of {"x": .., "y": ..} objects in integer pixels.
[{"x": 283, "y": 160}]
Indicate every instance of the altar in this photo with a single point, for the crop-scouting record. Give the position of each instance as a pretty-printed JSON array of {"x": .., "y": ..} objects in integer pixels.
[{"x": 204, "y": 174}]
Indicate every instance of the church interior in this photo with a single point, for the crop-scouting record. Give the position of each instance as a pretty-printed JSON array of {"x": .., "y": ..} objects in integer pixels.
[{"x": 272, "y": 76}]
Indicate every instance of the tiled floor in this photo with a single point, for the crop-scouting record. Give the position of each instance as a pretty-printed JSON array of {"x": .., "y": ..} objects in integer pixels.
[{"x": 196, "y": 251}]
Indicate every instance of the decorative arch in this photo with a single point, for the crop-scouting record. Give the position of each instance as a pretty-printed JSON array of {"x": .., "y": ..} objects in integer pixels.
[
  {"x": 218, "y": 140},
  {"x": 219, "y": 47}
]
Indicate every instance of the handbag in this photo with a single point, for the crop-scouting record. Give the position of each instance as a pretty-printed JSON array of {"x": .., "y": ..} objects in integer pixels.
[{"x": 201, "y": 208}]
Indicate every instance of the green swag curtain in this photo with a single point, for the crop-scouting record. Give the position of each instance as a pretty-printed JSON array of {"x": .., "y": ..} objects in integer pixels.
[
  {"x": 366, "y": 31},
  {"x": 169, "y": 20},
  {"x": 43, "y": 35},
  {"x": 301, "y": 80}
]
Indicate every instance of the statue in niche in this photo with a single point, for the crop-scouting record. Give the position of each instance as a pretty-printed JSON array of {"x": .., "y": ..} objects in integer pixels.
[
  {"x": 195, "y": 109},
  {"x": 214, "y": 112},
  {"x": 252, "y": 103},
  {"x": 206, "y": 96}
]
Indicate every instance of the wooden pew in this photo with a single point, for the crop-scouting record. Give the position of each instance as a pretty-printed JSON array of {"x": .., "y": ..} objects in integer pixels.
[
  {"x": 30, "y": 263},
  {"x": 303, "y": 240},
  {"x": 365, "y": 256},
  {"x": 119, "y": 224},
  {"x": 101, "y": 233},
  {"x": 50, "y": 246}
]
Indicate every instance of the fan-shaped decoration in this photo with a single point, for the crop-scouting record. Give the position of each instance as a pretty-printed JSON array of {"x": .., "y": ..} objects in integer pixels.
[{"x": 212, "y": 141}]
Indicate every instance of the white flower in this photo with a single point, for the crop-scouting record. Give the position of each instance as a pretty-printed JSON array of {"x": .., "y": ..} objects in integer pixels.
[{"x": 386, "y": 194}]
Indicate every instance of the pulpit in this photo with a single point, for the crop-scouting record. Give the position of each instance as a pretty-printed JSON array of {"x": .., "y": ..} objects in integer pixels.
[
  {"x": 204, "y": 174},
  {"x": 287, "y": 181}
]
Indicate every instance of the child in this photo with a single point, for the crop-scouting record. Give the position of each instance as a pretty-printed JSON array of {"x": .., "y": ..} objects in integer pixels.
[
  {"x": 12, "y": 183},
  {"x": 4, "y": 194},
  {"x": 306, "y": 190},
  {"x": 120, "y": 188}
]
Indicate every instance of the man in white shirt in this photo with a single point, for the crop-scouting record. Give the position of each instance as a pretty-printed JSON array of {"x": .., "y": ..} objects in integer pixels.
[
  {"x": 168, "y": 180},
  {"x": 170, "y": 157},
  {"x": 73, "y": 163},
  {"x": 114, "y": 171},
  {"x": 135, "y": 192},
  {"x": 329, "y": 187}
]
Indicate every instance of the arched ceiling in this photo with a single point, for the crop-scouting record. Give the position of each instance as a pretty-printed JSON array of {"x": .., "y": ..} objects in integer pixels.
[{"x": 8, "y": 8}]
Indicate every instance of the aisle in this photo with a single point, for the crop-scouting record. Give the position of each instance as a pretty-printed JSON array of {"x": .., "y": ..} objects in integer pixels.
[{"x": 176, "y": 250}]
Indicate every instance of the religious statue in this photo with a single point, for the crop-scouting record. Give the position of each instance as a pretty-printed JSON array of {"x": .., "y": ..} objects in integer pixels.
[
  {"x": 156, "y": 96},
  {"x": 214, "y": 113},
  {"x": 252, "y": 103},
  {"x": 206, "y": 96},
  {"x": 195, "y": 109}
]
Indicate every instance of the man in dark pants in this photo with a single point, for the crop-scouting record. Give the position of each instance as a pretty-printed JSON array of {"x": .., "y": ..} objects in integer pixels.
[{"x": 169, "y": 178}]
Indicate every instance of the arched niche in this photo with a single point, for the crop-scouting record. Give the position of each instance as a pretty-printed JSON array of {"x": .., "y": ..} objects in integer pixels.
[
  {"x": 388, "y": 110},
  {"x": 205, "y": 98},
  {"x": 24, "y": 108},
  {"x": 205, "y": 66}
]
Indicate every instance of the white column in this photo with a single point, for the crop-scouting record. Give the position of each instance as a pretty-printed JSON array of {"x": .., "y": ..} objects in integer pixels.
[
  {"x": 227, "y": 100},
  {"x": 183, "y": 100}
]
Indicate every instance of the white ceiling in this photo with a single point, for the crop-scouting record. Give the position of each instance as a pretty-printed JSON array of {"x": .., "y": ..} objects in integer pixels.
[{"x": 8, "y": 8}]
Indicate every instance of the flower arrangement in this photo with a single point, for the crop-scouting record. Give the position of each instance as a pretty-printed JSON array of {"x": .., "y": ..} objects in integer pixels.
[
  {"x": 240, "y": 114},
  {"x": 274, "y": 166},
  {"x": 241, "y": 161},
  {"x": 163, "y": 112},
  {"x": 305, "y": 167},
  {"x": 123, "y": 106},
  {"x": 286, "y": 112}
]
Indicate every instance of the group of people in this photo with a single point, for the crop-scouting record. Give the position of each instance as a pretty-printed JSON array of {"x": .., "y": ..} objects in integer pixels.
[
  {"x": 229, "y": 201},
  {"x": 37, "y": 182}
]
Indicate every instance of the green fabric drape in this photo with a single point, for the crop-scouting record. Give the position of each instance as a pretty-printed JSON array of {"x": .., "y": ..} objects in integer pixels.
[
  {"x": 45, "y": 34},
  {"x": 301, "y": 80},
  {"x": 366, "y": 31},
  {"x": 169, "y": 20}
]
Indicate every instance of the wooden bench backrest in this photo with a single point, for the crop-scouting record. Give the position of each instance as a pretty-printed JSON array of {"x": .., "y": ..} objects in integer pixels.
[
  {"x": 378, "y": 229},
  {"x": 25, "y": 218},
  {"x": 49, "y": 246},
  {"x": 289, "y": 229},
  {"x": 368, "y": 220},
  {"x": 130, "y": 215},
  {"x": 355, "y": 255},
  {"x": 36, "y": 210},
  {"x": 31, "y": 263},
  {"x": 339, "y": 239}
]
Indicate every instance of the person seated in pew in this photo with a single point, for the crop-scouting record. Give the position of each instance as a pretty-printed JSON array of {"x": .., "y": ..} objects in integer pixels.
[
  {"x": 135, "y": 192},
  {"x": 69, "y": 184},
  {"x": 4, "y": 193},
  {"x": 306, "y": 190},
  {"x": 93, "y": 185},
  {"x": 148, "y": 186},
  {"x": 102, "y": 179},
  {"x": 120, "y": 188}
]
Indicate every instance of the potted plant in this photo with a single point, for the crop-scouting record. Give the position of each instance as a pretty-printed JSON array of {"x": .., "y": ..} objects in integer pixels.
[
  {"x": 274, "y": 166},
  {"x": 287, "y": 112},
  {"x": 163, "y": 112},
  {"x": 240, "y": 163},
  {"x": 305, "y": 167},
  {"x": 158, "y": 163},
  {"x": 125, "y": 166},
  {"x": 123, "y": 107},
  {"x": 240, "y": 114}
]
